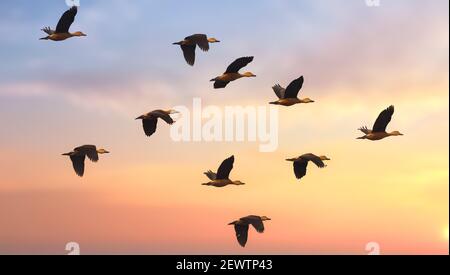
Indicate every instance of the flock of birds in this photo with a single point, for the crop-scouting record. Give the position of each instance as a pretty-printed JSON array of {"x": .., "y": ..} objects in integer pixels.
[{"x": 286, "y": 97}]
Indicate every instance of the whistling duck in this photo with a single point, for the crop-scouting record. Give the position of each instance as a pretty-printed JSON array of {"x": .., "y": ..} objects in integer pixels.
[
  {"x": 150, "y": 120},
  {"x": 62, "y": 29},
  {"x": 221, "y": 179},
  {"x": 241, "y": 227},
  {"x": 301, "y": 163},
  {"x": 289, "y": 96},
  {"x": 378, "y": 131},
  {"x": 189, "y": 44},
  {"x": 232, "y": 72},
  {"x": 78, "y": 155}
]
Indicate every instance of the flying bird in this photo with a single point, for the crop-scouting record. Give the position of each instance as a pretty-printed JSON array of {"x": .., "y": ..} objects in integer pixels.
[
  {"x": 79, "y": 154},
  {"x": 190, "y": 43},
  {"x": 232, "y": 72},
  {"x": 301, "y": 163},
  {"x": 289, "y": 96},
  {"x": 150, "y": 120},
  {"x": 62, "y": 29},
  {"x": 222, "y": 178},
  {"x": 378, "y": 131},
  {"x": 241, "y": 227}
]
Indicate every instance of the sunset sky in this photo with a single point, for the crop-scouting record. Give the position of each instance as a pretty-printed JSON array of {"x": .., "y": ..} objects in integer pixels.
[{"x": 146, "y": 196}]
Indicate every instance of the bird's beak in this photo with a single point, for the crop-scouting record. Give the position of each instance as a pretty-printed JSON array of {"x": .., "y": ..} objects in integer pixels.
[
  {"x": 65, "y": 154},
  {"x": 141, "y": 117},
  {"x": 107, "y": 152},
  {"x": 290, "y": 159},
  {"x": 176, "y": 43}
]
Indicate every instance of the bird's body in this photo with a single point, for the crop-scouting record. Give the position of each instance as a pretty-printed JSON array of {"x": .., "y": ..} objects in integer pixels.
[
  {"x": 79, "y": 154},
  {"x": 241, "y": 227},
  {"x": 289, "y": 96},
  {"x": 232, "y": 72},
  {"x": 378, "y": 131},
  {"x": 301, "y": 163},
  {"x": 150, "y": 120},
  {"x": 190, "y": 43},
  {"x": 62, "y": 28},
  {"x": 222, "y": 177}
]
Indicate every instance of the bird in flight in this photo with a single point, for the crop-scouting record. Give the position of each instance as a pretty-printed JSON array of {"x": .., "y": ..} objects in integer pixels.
[
  {"x": 378, "y": 131},
  {"x": 301, "y": 163},
  {"x": 62, "y": 28},
  {"x": 190, "y": 43},
  {"x": 222, "y": 178},
  {"x": 289, "y": 96},
  {"x": 150, "y": 120},
  {"x": 78, "y": 155},
  {"x": 241, "y": 227},
  {"x": 232, "y": 72}
]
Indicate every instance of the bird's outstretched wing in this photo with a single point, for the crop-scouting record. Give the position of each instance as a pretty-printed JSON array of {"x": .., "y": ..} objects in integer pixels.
[
  {"x": 279, "y": 91},
  {"x": 150, "y": 126},
  {"x": 225, "y": 168},
  {"x": 66, "y": 20},
  {"x": 239, "y": 64},
  {"x": 48, "y": 30},
  {"x": 163, "y": 115},
  {"x": 211, "y": 175},
  {"x": 300, "y": 168},
  {"x": 189, "y": 53},
  {"x": 89, "y": 150},
  {"x": 78, "y": 164},
  {"x": 241, "y": 233},
  {"x": 383, "y": 120},
  {"x": 315, "y": 159},
  {"x": 201, "y": 40},
  {"x": 218, "y": 84},
  {"x": 294, "y": 88},
  {"x": 256, "y": 222}
]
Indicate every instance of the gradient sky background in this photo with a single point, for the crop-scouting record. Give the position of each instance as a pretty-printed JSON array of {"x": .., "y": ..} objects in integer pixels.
[{"x": 145, "y": 197}]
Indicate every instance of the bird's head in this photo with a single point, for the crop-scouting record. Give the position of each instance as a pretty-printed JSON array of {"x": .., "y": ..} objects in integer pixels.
[
  {"x": 396, "y": 133},
  {"x": 324, "y": 158},
  {"x": 102, "y": 151},
  {"x": 249, "y": 74},
  {"x": 79, "y": 34},
  {"x": 264, "y": 218},
  {"x": 172, "y": 111},
  {"x": 308, "y": 100},
  {"x": 237, "y": 182},
  {"x": 213, "y": 40}
]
